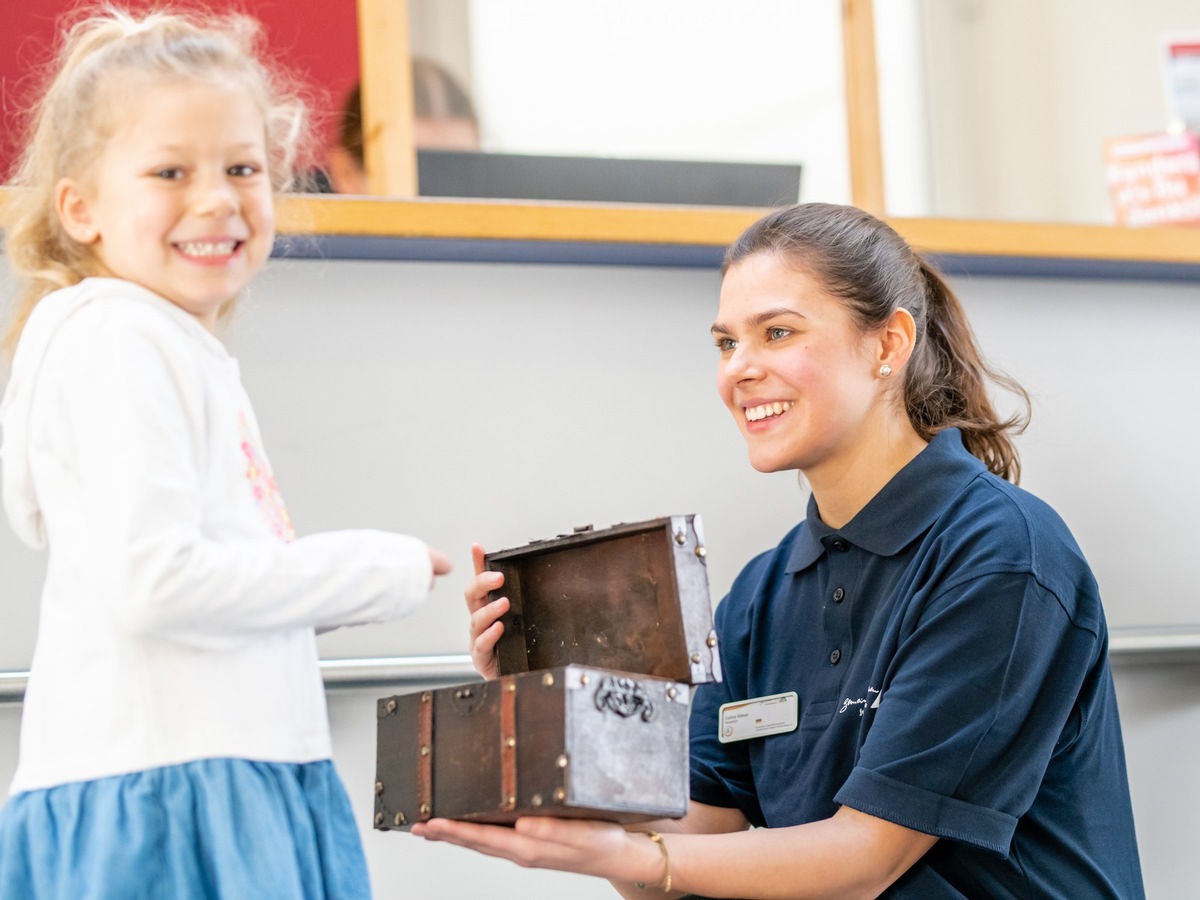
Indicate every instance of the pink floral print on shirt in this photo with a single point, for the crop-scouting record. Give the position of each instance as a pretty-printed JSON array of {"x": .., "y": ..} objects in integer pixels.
[{"x": 262, "y": 484}]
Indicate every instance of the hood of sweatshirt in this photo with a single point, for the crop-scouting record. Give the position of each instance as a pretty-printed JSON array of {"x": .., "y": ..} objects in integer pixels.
[{"x": 45, "y": 322}]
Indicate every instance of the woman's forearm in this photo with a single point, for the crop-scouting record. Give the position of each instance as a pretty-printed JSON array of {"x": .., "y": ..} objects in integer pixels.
[{"x": 847, "y": 856}]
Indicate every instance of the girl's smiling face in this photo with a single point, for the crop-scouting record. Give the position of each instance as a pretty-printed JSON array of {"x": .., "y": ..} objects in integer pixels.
[
  {"x": 797, "y": 373},
  {"x": 180, "y": 200}
]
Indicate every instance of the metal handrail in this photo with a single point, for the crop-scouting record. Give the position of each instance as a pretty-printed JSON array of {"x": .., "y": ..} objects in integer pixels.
[
  {"x": 385, "y": 671},
  {"x": 1152, "y": 645},
  {"x": 1178, "y": 643},
  {"x": 381, "y": 671}
]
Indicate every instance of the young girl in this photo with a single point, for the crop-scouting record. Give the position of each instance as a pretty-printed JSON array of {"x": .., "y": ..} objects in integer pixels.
[
  {"x": 933, "y": 629},
  {"x": 174, "y": 740}
]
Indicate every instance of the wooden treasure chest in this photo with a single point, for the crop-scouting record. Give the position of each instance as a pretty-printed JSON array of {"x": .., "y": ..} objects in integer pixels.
[{"x": 606, "y": 632}]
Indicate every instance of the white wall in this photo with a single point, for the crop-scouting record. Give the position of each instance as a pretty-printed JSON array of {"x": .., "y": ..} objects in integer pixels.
[
  {"x": 1160, "y": 715},
  {"x": 502, "y": 403},
  {"x": 508, "y": 402},
  {"x": 482, "y": 402},
  {"x": 1023, "y": 94}
]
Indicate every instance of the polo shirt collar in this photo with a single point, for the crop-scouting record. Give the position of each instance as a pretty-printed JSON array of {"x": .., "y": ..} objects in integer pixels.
[{"x": 905, "y": 507}]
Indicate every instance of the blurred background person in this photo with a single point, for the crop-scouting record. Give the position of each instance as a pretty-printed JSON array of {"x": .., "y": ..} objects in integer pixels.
[{"x": 443, "y": 119}]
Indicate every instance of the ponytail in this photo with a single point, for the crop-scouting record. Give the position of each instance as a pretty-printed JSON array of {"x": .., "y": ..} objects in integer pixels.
[
  {"x": 946, "y": 383},
  {"x": 864, "y": 263}
]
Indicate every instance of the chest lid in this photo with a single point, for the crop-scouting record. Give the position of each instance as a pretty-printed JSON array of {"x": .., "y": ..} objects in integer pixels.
[{"x": 632, "y": 597}]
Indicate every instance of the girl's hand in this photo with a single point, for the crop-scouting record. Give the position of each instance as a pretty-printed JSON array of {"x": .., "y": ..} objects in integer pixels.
[
  {"x": 603, "y": 849},
  {"x": 486, "y": 627},
  {"x": 441, "y": 564}
]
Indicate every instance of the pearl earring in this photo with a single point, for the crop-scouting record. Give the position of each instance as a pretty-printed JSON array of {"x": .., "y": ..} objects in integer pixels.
[{"x": 885, "y": 370}]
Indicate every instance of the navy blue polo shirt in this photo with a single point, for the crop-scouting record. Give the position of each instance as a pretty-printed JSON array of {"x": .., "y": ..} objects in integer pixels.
[{"x": 950, "y": 656}]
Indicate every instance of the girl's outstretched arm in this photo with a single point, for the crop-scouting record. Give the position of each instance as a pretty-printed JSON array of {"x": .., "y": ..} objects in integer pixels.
[{"x": 176, "y": 504}]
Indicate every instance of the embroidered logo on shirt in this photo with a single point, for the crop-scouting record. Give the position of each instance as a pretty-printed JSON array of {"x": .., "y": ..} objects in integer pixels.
[
  {"x": 862, "y": 704},
  {"x": 262, "y": 484}
]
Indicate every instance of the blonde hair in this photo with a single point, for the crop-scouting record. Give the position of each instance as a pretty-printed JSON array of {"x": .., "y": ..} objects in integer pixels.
[{"x": 72, "y": 120}]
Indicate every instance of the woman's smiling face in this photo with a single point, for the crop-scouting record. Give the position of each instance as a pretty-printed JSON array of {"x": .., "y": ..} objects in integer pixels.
[{"x": 796, "y": 372}]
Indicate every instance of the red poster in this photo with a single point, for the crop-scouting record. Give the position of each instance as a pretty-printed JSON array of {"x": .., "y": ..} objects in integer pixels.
[{"x": 1154, "y": 179}]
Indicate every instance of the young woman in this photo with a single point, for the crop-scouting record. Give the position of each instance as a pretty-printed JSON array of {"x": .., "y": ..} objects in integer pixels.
[{"x": 931, "y": 632}]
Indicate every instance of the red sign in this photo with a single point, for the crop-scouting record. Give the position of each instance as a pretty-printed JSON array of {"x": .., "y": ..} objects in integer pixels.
[{"x": 1154, "y": 179}]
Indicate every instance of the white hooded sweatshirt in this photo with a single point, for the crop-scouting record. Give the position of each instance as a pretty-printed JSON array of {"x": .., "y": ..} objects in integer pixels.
[{"x": 178, "y": 613}]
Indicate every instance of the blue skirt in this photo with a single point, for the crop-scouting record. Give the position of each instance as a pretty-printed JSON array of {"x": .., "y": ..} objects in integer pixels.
[{"x": 215, "y": 829}]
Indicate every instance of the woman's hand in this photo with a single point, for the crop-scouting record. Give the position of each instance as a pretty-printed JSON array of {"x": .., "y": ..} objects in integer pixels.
[
  {"x": 486, "y": 627},
  {"x": 603, "y": 849}
]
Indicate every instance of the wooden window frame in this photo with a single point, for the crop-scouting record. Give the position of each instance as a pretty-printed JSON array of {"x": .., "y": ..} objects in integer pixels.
[{"x": 395, "y": 210}]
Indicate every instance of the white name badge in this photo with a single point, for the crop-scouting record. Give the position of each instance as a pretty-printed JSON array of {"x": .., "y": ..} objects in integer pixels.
[{"x": 745, "y": 719}]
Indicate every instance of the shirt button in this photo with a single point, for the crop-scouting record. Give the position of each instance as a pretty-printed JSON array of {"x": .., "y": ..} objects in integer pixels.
[
  {"x": 834, "y": 657},
  {"x": 840, "y": 545},
  {"x": 839, "y": 595}
]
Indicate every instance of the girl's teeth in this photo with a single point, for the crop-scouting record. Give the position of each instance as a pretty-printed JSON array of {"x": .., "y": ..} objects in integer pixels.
[
  {"x": 216, "y": 248},
  {"x": 754, "y": 413}
]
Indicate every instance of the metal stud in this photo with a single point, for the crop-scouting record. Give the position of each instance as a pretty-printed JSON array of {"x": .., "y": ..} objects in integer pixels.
[
  {"x": 378, "y": 818},
  {"x": 695, "y": 657},
  {"x": 585, "y": 679},
  {"x": 511, "y": 687},
  {"x": 510, "y": 742},
  {"x": 536, "y": 800},
  {"x": 510, "y": 801},
  {"x": 562, "y": 761},
  {"x": 424, "y": 809},
  {"x": 672, "y": 693},
  {"x": 559, "y": 794},
  {"x": 426, "y": 697},
  {"x": 391, "y": 706},
  {"x": 378, "y": 788},
  {"x": 400, "y": 819},
  {"x": 712, "y": 641},
  {"x": 547, "y": 679},
  {"x": 701, "y": 552},
  {"x": 424, "y": 749},
  {"x": 680, "y": 538}
]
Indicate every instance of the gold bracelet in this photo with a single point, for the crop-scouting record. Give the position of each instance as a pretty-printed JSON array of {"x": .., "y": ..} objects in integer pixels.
[{"x": 665, "y": 882}]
